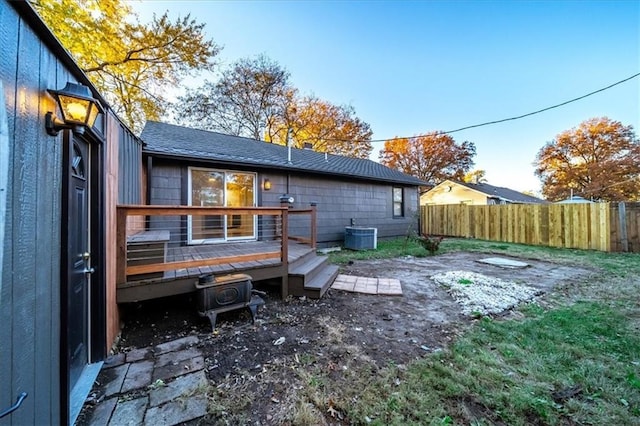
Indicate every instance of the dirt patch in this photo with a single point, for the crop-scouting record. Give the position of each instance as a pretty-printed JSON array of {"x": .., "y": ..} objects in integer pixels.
[{"x": 292, "y": 365}]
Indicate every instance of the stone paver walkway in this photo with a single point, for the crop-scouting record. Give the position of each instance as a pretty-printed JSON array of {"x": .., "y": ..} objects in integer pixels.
[
  {"x": 161, "y": 385},
  {"x": 382, "y": 286}
]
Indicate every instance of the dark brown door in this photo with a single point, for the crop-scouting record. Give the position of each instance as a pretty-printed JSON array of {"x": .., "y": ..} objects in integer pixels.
[{"x": 78, "y": 258}]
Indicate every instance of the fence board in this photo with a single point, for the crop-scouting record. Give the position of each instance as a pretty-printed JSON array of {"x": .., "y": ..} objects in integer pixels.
[{"x": 590, "y": 226}]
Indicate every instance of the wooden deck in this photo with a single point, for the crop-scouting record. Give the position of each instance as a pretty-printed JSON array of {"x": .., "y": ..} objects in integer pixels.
[{"x": 178, "y": 281}]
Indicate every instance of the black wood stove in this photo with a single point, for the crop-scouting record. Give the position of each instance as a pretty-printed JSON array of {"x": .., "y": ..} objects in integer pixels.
[{"x": 226, "y": 293}]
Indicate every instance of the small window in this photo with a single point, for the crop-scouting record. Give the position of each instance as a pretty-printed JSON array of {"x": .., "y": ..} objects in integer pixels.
[{"x": 398, "y": 202}]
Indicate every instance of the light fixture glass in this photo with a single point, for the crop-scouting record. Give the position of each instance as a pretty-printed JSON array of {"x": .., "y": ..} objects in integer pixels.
[
  {"x": 266, "y": 185},
  {"x": 79, "y": 109}
]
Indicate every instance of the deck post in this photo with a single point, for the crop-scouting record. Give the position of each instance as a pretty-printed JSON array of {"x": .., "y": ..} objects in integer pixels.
[
  {"x": 121, "y": 245},
  {"x": 314, "y": 225},
  {"x": 285, "y": 248}
]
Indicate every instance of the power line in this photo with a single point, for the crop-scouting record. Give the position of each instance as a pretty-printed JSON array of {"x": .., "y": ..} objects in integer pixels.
[{"x": 504, "y": 119}]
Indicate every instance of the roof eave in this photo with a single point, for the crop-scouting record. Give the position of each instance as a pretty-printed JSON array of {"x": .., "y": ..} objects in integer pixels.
[{"x": 167, "y": 155}]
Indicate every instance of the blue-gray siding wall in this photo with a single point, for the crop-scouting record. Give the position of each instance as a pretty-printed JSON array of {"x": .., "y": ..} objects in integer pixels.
[
  {"x": 129, "y": 168},
  {"x": 165, "y": 188},
  {"x": 30, "y": 277},
  {"x": 339, "y": 201}
]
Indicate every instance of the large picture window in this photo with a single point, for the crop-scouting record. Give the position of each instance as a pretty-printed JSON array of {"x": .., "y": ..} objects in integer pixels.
[
  {"x": 221, "y": 188},
  {"x": 398, "y": 202}
]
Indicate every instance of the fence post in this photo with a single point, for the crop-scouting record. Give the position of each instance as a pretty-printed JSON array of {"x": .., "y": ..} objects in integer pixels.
[{"x": 622, "y": 225}]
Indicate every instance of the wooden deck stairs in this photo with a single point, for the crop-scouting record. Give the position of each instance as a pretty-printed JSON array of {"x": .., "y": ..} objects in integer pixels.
[{"x": 311, "y": 275}]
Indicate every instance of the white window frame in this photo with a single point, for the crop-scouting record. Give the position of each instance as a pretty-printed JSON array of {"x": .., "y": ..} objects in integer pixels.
[{"x": 226, "y": 237}]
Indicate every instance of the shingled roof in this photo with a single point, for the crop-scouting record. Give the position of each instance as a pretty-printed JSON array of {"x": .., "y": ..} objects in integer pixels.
[
  {"x": 169, "y": 140},
  {"x": 502, "y": 193}
]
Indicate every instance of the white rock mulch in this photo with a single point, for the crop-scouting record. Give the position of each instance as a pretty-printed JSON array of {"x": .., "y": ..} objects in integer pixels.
[{"x": 481, "y": 295}]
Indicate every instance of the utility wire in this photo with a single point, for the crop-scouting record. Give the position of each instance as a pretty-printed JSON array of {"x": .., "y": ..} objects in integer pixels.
[{"x": 501, "y": 120}]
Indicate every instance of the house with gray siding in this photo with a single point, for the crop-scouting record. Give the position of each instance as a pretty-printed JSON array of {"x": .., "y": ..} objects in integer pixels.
[{"x": 186, "y": 166}]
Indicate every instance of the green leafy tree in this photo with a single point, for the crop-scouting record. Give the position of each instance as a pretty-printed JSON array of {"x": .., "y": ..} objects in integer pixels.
[
  {"x": 599, "y": 160},
  {"x": 243, "y": 102},
  {"x": 132, "y": 64},
  {"x": 433, "y": 157}
]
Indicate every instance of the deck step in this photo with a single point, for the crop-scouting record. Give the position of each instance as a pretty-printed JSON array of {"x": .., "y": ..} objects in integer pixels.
[
  {"x": 319, "y": 285},
  {"x": 307, "y": 268},
  {"x": 302, "y": 258}
]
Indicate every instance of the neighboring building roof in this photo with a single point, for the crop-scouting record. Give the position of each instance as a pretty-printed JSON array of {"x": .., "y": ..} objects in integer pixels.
[
  {"x": 576, "y": 199},
  {"x": 176, "y": 141},
  {"x": 506, "y": 194}
]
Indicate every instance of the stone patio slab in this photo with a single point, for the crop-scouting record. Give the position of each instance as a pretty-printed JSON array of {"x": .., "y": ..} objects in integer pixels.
[
  {"x": 114, "y": 378},
  {"x": 175, "y": 357},
  {"x": 176, "y": 345},
  {"x": 182, "y": 386},
  {"x": 139, "y": 354},
  {"x": 102, "y": 413},
  {"x": 138, "y": 376},
  {"x": 179, "y": 369},
  {"x": 129, "y": 412},
  {"x": 503, "y": 262},
  {"x": 176, "y": 412}
]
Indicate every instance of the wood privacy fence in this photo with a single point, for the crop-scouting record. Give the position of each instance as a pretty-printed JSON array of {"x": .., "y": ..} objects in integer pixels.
[{"x": 612, "y": 227}]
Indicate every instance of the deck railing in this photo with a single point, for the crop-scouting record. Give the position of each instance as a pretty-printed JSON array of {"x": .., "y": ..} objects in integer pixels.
[
  {"x": 155, "y": 241},
  {"x": 304, "y": 221}
]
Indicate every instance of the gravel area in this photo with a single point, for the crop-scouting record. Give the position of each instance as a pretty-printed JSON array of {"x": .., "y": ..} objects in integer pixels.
[{"x": 479, "y": 294}]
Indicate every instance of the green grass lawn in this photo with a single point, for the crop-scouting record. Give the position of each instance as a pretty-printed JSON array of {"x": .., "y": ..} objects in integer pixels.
[{"x": 574, "y": 361}]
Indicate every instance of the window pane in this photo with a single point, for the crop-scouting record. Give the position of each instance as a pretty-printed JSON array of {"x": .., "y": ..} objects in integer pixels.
[
  {"x": 397, "y": 195},
  {"x": 240, "y": 193},
  {"x": 207, "y": 188},
  {"x": 397, "y": 209}
]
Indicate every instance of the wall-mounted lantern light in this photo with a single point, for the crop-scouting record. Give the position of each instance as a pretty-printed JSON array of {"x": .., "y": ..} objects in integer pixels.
[
  {"x": 79, "y": 109},
  {"x": 266, "y": 185}
]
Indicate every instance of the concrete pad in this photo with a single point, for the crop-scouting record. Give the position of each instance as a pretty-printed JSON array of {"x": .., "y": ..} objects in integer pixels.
[
  {"x": 503, "y": 263},
  {"x": 114, "y": 378},
  {"x": 176, "y": 345},
  {"x": 176, "y": 412},
  {"x": 102, "y": 413},
  {"x": 129, "y": 412},
  {"x": 138, "y": 376},
  {"x": 175, "y": 357},
  {"x": 363, "y": 287},
  {"x": 179, "y": 369},
  {"x": 367, "y": 285},
  {"x": 188, "y": 384},
  {"x": 113, "y": 361},
  {"x": 139, "y": 354}
]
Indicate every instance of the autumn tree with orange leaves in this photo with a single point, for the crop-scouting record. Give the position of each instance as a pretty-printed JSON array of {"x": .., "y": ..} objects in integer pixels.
[
  {"x": 326, "y": 127},
  {"x": 433, "y": 157},
  {"x": 599, "y": 160}
]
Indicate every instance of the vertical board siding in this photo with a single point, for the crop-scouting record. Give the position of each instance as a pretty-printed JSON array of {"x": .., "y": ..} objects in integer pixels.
[
  {"x": 45, "y": 306},
  {"x": 30, "y": 300},
  {"x": 25, "y": 221},
  {"x": 8, "y": 37},
  {"x": 129, "y": 166},
  {"x": 589, "y": 226}
]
